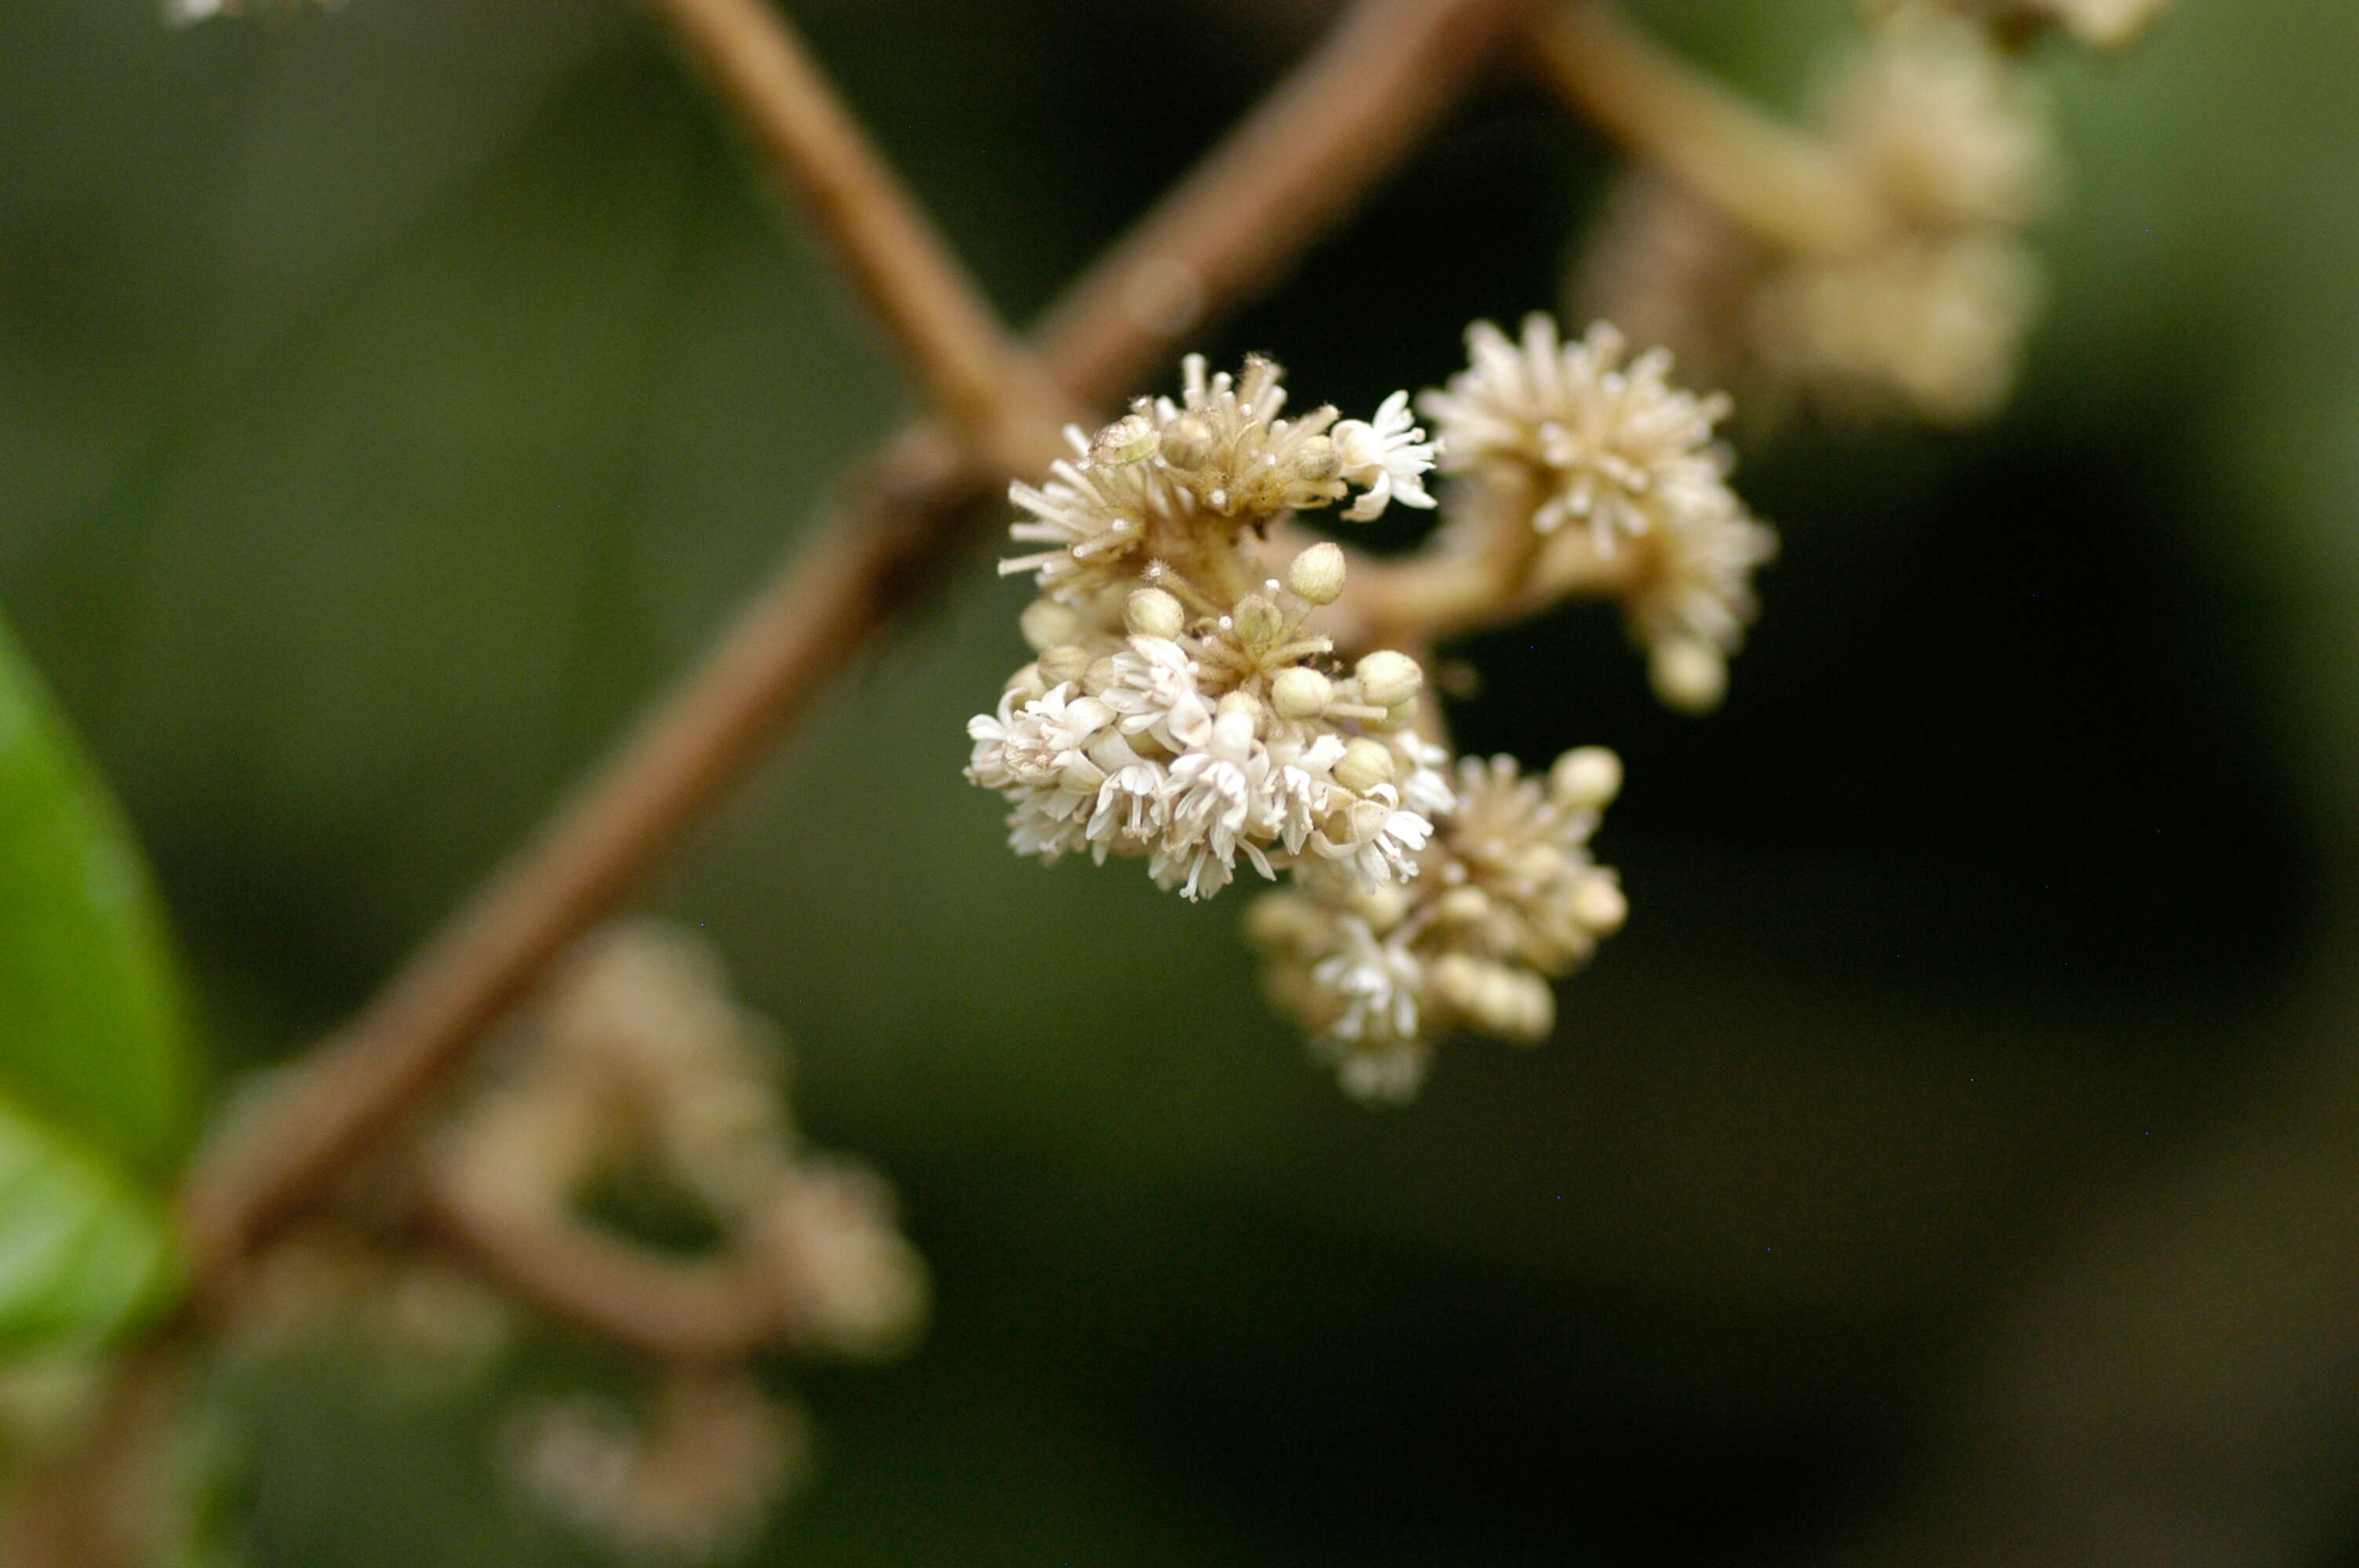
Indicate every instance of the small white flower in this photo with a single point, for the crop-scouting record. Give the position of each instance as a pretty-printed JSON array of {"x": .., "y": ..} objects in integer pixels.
[
  {"x": 1133, "y": 805},
  {"x": 1581, "y": 434},
  {"x": 1426, "y": 789},
  {"x": 1299, "y": 786},
  {"x": 1216, "y": 794},
  {"x": 1381, "y": 839},
  {"x": 1156, "y": 694},
  {"x": 1377, "y": 982},
  {"x": 1388, "y": 457}
]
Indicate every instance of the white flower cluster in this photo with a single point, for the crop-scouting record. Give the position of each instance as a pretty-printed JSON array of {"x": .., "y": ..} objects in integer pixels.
[
  {"x": 1935, "y": 121},
  {"x": 1507, "y": 899},
  {"x": 1167, "y": 487},
  {"x": 1182, "y": 710},
  {"x": 1926, "y": 314},
  {"x": 1187, "y": 709},
  {"x": 1578, "y": 432}
]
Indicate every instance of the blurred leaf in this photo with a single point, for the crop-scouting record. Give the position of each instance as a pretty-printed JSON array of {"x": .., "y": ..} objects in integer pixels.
[
  {"x": 93, "y": 1063},
  {"x": 81, "y": 1250}
]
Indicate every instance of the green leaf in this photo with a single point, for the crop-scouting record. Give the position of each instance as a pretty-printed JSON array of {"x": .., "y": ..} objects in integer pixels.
[{"x": 95, "y": 1075}]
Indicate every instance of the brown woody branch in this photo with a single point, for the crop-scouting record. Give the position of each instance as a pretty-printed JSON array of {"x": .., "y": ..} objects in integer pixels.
[
  {"x": 1772, "y": 179},
  {"x": 974, "y": 374},
  {"x": 1365, "y": 96}
]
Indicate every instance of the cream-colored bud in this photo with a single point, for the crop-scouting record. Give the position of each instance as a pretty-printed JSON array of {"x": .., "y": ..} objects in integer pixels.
[
  {"x": 1586, "y": 779},
  {"x": 1465, "y": 905},
  {"x": 1317, "y": 573},
  {"x": 1300, "y": 692},
  {"x": 1129, "y": 439},
  {"x": 1316, "y": 461},
  {"x": 1365, "y": 764},
  {"x": 1258, "y": 622},
  {"x": 1103, "y": 676},
  {"x": 1045, "y": 623},
  {"x": 1244, "y": 703},
  {"x": 1188, "y": 443},
  {"x": 1689, "y": 675},
  {"x": 1457, "y": 979},
  {"x": 1082, "y": 776},
  {"x": 1518, "y": 1005},
  {"x": 1064, "y": 664},
  {"x": 1113, "y": 753},
  {"x": 1285, "y": 921},
  {"x": 1539, "y": 862},
  {"x": 1154, "y": 612},
  {"x": 1388, "y": 679},
  {"x": 1384, "y": 907},
  {"x": 1600, "y": 904},
  {"x": 1027, "y": 684}
]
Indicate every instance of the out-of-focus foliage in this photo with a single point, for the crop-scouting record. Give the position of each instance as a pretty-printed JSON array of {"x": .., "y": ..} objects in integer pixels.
[
  {"x": 390, "y": 399},
  {"x": 95, "y": 1077}
]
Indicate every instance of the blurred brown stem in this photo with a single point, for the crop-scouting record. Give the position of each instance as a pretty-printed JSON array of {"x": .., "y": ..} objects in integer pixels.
[
  {"x": 990, "y": 388},
  {"x": 1778, "y": 182},
  {"x": 704, "y": 1310}
]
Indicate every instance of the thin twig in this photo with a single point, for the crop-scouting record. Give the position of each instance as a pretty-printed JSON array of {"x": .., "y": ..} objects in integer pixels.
[
  {"x": 720, "y": 1309},
  {"x": 975, "y": 373},
  {"x": 1361, "y": 99},
  {"x": 1772, "y": 179}
]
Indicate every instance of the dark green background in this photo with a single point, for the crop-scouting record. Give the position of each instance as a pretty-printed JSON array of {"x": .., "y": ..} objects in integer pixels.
[{"x": 1960, "y": 1140}]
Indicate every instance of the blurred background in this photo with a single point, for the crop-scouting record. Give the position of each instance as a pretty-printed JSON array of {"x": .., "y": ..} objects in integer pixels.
[{"x": 1954, "y": 1163}]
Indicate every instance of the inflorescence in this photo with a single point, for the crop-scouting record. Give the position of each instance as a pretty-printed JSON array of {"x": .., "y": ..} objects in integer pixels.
[
  {"x": 1922, "y": 313},
  {"x": 1190, "y": 707}
]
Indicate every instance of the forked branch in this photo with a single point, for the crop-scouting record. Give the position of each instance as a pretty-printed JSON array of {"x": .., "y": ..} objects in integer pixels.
[{"x": 1366, "y": 96}]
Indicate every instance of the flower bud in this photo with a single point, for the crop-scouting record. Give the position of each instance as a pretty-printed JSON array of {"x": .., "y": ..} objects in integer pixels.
[
  {"x": 1045, "y": 623},
  {"x": 1317, "y": 573},
  {"x": 1300, "y": 692},
  {"x": 1258, "y": 622},
  {"x": 1153, "y": 613},
  {"x": 1104, "y": 674},
  {"x": 1063, "y": 664},
  {"x": 1365, "y": 764},
  {"x": 1457, "y": 979},
  {"x": 1283, "y": 921},
  {"x": 1388, "y": 679},
  {"x": 1689, "y": 675},
  {"x": 1241, "y": 703},
  {"x": 1384, "y": 907},
  {"x": 1586, "y": 779},
  {"x": 1027, "y": 684},
  {"x": 1188, "y": 443},
  {"x": 1129, "y": 439},
  {"x": 1599, "y": 904},
  {"x": 1539, "y": 862},
  {"x": 1465, "y": 905},
  {"x": 1518, "y": 1005},
  {"x": 1316, "y": 461}
]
